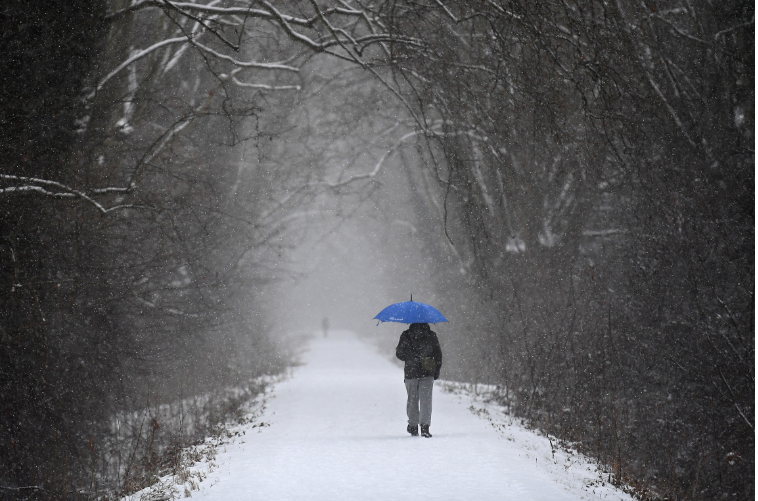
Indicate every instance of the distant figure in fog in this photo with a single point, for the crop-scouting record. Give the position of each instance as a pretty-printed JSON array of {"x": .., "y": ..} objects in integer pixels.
[
  {"x": 325, "y": 326},
  {"x": 420, "y": 349}
]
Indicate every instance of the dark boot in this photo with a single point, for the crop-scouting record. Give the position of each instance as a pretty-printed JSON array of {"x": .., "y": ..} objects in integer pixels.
[
  {"x": 413, "y": 430},
  {"x": 425, "y": 431}
]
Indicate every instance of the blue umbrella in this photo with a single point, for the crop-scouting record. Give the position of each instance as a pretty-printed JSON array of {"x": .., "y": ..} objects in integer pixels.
[{"x": 410, "y": 312}]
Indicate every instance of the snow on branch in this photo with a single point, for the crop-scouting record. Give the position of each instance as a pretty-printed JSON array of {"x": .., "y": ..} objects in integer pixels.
[
  {"x": 249, "y": 85},
  {"x": 33, "y": 186},
  {"x": 603, "y": 233},
  {"x": 245, "y": 64},
  {"x": 137, "y": 55},
  {"x": 201, "y": 8},
  {"x": 729, "y": 30},
  {"x": 670, "y": 109},
  {"x": 337, "y": 28},
  {"x": 37, "y": 189},
  {"x": 340, "y": 28}
]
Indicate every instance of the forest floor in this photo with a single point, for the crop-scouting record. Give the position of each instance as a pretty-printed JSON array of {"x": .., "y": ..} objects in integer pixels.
[{"x": 335, "y": 430}]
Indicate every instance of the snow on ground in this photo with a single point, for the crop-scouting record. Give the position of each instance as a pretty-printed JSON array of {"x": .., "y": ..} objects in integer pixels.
[
  {"x": 567, "y": 466},
  {"x": 336, "y": 431}
]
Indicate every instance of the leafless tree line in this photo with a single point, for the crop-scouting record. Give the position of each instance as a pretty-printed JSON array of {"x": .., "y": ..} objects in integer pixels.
[
  {"x": 593, "y": 171},
  {"x": 145, "y": 204}
]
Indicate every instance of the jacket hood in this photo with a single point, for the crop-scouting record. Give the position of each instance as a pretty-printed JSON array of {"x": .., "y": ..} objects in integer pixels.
[{"x": 419, "y": 328}]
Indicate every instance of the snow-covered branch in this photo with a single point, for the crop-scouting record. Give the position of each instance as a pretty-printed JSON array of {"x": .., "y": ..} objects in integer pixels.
[
  {"x": 37, "y": 186},
  {"x": 137, "y": 55},
  {"x": 338, "y": 28},
  {"x": 245, "y": 64}
]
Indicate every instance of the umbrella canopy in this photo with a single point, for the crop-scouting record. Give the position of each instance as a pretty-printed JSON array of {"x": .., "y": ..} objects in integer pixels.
[{"x": 410, "y": 312}]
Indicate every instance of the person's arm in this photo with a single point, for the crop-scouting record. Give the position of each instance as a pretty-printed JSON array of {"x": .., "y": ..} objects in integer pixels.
[
  {"x": 437, "y": 356},
  {"x": 403, "y": 350}
]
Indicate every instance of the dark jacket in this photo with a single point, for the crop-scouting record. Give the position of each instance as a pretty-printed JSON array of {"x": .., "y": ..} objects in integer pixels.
[{"x": 420, "y": 349}]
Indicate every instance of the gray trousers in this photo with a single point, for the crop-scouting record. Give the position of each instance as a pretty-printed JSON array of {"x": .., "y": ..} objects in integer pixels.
[{"x": 419, "y": 395}]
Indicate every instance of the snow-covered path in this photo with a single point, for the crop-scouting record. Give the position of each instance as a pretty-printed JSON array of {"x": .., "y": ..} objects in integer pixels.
[{"x": 337, "y": 432}]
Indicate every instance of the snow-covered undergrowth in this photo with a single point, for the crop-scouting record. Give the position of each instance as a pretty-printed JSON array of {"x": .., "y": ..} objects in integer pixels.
[
  {"x": 187, "y": 467},
  {"x": 561, "y": 459}
]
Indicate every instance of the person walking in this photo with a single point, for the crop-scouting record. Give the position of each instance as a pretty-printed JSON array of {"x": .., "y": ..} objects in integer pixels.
[{"x": 420, "y": 349}]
